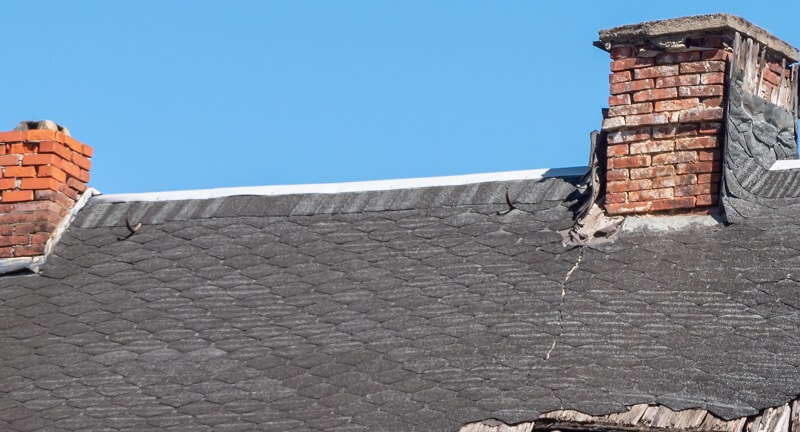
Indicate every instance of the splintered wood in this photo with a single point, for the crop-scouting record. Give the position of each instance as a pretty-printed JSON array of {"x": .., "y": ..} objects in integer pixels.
[
  {"x": 763, "y": 77},
  {"x": 651, "y": 418}
]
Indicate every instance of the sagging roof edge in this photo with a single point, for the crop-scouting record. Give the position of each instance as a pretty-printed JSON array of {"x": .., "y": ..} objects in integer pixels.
[
  {"x": 34, "y": 263},
  {"x": 345, "y": 187}
]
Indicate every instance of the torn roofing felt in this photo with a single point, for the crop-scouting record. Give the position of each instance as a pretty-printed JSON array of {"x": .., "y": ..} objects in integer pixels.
[
  {"x": 758, "y": 133},
  {"x": 360, "y": 311}
]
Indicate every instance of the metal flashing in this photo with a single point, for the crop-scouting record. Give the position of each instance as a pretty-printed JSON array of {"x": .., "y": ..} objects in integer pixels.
[{"x": 336, "y": 188}]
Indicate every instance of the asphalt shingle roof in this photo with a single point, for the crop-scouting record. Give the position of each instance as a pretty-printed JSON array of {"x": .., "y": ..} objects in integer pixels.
[{"x": 399, "y": 310}]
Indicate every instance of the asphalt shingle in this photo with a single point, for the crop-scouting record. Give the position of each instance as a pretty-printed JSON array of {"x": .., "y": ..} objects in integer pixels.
[{"x": 339, "y": 313}]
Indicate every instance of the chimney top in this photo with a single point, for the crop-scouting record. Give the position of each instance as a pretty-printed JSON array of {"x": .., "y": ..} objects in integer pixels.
[
  {"x": 676, "y": 33},
  {"x": 41, "y": 125}
]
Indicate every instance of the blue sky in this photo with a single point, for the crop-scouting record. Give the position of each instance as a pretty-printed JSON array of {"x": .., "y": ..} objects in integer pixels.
[{"x": 196, "y": 94}]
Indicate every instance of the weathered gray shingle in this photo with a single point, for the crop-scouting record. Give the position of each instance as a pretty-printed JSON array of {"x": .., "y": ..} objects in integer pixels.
[{"x": 332, "y": 317}]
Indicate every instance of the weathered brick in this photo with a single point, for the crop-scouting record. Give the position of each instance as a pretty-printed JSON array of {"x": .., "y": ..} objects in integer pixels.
[
  {"x": 674, "y": 131},
  {"x": 646, "y": 120},
  {"x": 631, "y": 86},
  {"x": 678, "y": 57},
  {"x": 716, "y": 54},
  {"x": 655, "y": 94},
  {"x": 616, "y": 197},
  {"x": 616, "y": 174},
  {"x": 679, "y": 80},
  {"x": 706, "y": 155},
  {"x": 695, "y": 168},
  {"x": 612, "y": 123},
  {"x": 34, "y": 227},
  {"x": 631, "y": 63},
  {"x": 622, "y": 99},
  {"x": 655, "y": 72},
  {"x": 624, "y": 110},
  {"x": 13, "y": 240},
  {"x": 674, "y": 157},
  {"x": 650, "y": 194},
  {"x": 707, "y": 200},
  {"x": 686, "y": 179},
  {"x": 629, "y": 135},
  {"x": 700, "y": 91},
  {"x": 710, "y": 128},
  {"x": 652, "y": 147},
  {"x": 697, "y": 189},
  {"x": 621, "y": 52},
  {"x": 618, "y": 77},
  {"x": 629, "y": 162},
  {"x": 709, "y": 178},
  {"x": 626, "y": 208},
  {"x": 713, "y": 101},
  {"x": 30, "y": 250},
  {"x": 702, "y": 66},
  {"x": 700, "y": 142},
  {"x": 701, "y": 114},
  {"x": 713, "y": 78},
  {"x": 676, "y": 104},
  {"x": 617, "y": 150},
  {"x": 628, "y": 185},
  {"x": 54, "y": 196},
  {"x": 652, "y": 172},
  {"x": 673, "y": 204}
]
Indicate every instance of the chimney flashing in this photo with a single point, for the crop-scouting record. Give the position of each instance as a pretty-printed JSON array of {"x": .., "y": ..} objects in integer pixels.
[{"x": 673, "y": 33}]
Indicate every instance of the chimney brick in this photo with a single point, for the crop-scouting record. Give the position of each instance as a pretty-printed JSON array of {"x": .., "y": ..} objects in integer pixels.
[
  {"x": 667, "y": 90},
  {"x": 42, "y": 173}
]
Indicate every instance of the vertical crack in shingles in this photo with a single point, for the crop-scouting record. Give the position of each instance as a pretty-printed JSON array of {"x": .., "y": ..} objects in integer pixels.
[{"x": 561, "y": 303}]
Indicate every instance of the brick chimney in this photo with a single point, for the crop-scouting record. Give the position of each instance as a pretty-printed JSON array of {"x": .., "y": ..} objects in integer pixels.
[
  {"x": 44, "y": 172},
  {"x": 665, "y": 121}
]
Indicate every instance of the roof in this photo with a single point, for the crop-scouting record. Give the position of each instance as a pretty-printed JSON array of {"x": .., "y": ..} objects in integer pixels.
[{"x": 395, "y": 310}]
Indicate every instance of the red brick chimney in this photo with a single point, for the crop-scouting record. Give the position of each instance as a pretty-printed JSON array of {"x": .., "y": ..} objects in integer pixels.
[
  {"x": 44, "y": 171},
  {"x": 665, "y": 121}
]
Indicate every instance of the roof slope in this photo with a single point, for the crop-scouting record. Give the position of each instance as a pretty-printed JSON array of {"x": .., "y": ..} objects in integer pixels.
[{"x": 398, "y": 310}]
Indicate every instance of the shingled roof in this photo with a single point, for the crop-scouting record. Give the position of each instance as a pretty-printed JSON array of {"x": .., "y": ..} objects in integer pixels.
[{"x": 417, "y": 309}]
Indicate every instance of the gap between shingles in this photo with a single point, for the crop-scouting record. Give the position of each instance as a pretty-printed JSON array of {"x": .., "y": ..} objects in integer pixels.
[{"x": 561, "y": 303}]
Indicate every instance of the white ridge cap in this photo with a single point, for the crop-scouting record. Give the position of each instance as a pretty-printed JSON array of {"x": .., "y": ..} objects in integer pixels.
[
  {"x": 786, "y": 164},
  {"x": 334, "y": 188}
]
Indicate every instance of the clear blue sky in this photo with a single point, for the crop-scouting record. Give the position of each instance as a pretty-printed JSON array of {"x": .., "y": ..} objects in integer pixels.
[{"x": 197, "y": 94}]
